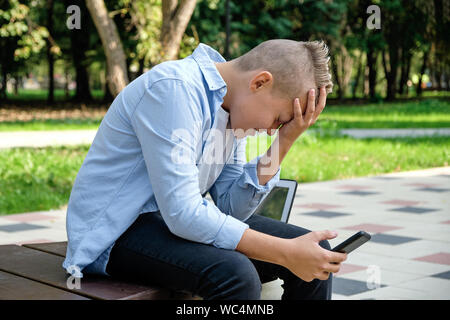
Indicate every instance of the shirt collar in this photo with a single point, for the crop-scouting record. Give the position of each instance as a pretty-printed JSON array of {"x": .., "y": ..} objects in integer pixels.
[{"x": 205, "y": 56}]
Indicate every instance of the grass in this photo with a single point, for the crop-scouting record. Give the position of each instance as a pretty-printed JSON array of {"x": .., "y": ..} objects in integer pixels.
[
  {"x": 429, "y": 113},
  {"x": 41, "y": 94},
  {"x": 38, "y": 179},
  {"x": 319, "y": 159},
  {"x": 50, "y": 124},
  {"x": 42, "y": 178}
]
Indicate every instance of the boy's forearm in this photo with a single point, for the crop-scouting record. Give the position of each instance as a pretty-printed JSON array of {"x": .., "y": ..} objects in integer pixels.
[
  {"x": 260, "y": 246},
  {"x": 270, "y": 162}
]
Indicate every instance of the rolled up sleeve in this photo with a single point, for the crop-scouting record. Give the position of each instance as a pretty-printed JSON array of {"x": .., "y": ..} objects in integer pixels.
[
  {"x": 237, "y": 190},
  {"x": 167, "y": 122}
]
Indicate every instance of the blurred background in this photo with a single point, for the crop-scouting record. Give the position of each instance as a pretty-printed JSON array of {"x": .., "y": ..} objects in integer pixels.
[{"x": 63, "y": 62}]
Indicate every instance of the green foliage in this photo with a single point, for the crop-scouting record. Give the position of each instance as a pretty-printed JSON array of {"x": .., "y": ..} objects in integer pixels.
[
  {"x": 30, "y": 38},
  {"x": 146, "y": 18}
]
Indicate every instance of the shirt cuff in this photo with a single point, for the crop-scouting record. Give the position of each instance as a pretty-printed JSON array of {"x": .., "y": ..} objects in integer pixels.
[
  {"x": 250, "y": 177},
  {"x": 230, "y": 233}
]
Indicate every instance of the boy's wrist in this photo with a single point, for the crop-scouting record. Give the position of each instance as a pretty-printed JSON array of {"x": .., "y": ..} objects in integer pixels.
[{"x": 285, "y": 141}]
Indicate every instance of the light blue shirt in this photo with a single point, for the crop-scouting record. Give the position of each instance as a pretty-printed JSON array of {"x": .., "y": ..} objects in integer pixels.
[{"x": 131, "y": 167}]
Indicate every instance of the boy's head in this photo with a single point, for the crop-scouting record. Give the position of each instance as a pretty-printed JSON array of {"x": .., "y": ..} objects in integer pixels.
[{"x": 263, "y": 83}]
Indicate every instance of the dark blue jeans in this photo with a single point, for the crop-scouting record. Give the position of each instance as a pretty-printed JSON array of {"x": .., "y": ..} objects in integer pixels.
[{"x": 149, "y": 253}]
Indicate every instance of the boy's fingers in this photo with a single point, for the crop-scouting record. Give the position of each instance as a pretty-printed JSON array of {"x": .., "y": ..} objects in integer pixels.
[
  {"x": 311, "y": 106},
  {"x": 322, "y": 100},
  {"x": 338, "y": 257},
  {"x": 297, "y": 108},
  {"x": 333, "y": 267},
  {"x": 320, "y": 104}
]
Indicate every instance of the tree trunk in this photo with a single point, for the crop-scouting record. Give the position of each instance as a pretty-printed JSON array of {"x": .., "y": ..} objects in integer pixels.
[
  {"x": 227, "y": 30},
  {"x": 390, "y": 68},
  {"x": 408, "y": 69},
  {"x": 405, "y": 68},
  {"x": 50, "y": 57},
  {"x": 4, "y": 83},
  {"x": 358, "y": 75},
  {"x": 174, "y": 22},
  {"x": 16, "y": 85},
  {"x": 115, "y": 55},
  {"x": 66, "y": 81},
  {"x": 107, "y": 95},
  {"x": 141, "y": 67},
  {"x": 371, "y": 64},
  {"x": 337, "y": 78},
  {"x": 422, "y": 72},
  {"x": 79, "y": 41}
]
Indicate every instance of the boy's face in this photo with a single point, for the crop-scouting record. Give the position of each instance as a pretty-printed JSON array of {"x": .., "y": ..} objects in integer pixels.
[{"x": 256, "y": 108}]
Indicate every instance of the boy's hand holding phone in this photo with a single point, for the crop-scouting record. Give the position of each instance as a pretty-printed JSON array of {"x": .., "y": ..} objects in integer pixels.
[{"x": 308, "y": 260}]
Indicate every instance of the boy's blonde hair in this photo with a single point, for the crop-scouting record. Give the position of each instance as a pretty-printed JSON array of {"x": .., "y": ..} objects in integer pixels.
[{"x": 296, "y": 66}]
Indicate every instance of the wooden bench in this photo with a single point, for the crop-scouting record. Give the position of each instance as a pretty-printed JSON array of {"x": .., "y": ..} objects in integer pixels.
[{"x": 34, "y": 271}]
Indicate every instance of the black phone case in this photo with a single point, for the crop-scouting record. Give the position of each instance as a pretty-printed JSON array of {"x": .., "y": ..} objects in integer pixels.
[{"x": 343, "y": 247}]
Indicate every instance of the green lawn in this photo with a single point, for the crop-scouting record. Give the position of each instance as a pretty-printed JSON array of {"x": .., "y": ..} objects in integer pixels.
[
  {"x": 41, "y": 94},
  {"x": 41, "y": 179},
  {"x": 50, "y": 124},
  {"x": 320, "y": 158},
  {"x": 37, "y": 179},
  {"x": 429, "y": 113}
]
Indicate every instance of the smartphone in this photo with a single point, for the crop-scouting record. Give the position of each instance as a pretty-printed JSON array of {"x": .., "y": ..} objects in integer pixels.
[{"x": 352, "y": 243}]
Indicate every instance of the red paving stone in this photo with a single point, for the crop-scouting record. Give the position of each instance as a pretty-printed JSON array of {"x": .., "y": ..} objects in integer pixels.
[
  {"x": 347, "y": 268},
  {"x": 27, "y": 217},
  {"x": 402, "y": 202},
  {"x": 371, "y": 227},
  {"x": 441, "y": 258},
  {"x": 421, "y": 185}
]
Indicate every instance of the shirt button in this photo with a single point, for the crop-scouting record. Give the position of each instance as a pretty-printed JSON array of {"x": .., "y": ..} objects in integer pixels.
[{"x": 222, "y": 90}]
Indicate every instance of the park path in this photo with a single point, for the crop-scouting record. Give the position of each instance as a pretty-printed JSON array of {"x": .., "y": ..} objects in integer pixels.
[
  {"x": 16, "y": 139},
  {"x": 407, "y": 214}
]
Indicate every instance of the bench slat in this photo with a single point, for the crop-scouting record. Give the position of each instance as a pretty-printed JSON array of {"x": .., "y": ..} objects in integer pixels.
[
  {"x": 58, "y": 248},
  {"x": 13, "y": 287},
  {"x": 47, "y": 268}
]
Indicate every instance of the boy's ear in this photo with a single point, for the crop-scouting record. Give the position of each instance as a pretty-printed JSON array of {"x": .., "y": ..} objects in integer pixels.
[{"x": 261, "y": 79}]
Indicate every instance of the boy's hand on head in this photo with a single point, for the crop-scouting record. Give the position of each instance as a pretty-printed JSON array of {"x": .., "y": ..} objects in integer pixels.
[{"x": 294, "y": 128}]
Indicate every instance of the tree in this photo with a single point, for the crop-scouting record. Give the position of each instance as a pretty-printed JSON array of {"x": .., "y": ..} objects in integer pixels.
[
  {"x": 20, "y": 38},
  {"x": 175, "y": 18},
  {"x": 78, "y": 46},
  {"x": 112, "y": 45},
  {"x": 50, "y": 55}
]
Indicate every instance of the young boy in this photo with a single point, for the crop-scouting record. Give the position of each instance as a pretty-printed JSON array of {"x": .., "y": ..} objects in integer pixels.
[{"x": 137, "y": 209}]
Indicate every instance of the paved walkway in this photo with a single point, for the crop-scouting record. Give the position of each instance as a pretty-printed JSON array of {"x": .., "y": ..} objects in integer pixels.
[
  {"x": 15, "y": 139},
  {"x": 407, "y": 214},
  {"x": 73, "y": 137},
  {"x": 391, "y": 133}
]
